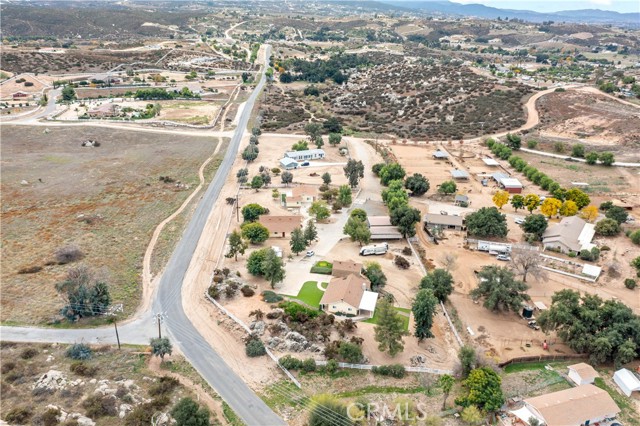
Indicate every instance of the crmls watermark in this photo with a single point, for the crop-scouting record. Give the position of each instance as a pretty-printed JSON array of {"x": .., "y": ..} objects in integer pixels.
[{"x": 401, "y": 411}]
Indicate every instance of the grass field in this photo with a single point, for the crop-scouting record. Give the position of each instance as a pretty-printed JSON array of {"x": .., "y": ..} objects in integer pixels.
[
  {"x": 310, "y": 294},
  {"x": 404, "y": 314}
]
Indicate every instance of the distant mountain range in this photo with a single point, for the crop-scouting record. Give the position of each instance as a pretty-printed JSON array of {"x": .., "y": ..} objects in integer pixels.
[{"x": 482, "y": 11}]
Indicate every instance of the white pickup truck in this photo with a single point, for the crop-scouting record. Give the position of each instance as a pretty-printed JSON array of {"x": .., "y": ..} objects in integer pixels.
[{"x": 374, "y": 249}]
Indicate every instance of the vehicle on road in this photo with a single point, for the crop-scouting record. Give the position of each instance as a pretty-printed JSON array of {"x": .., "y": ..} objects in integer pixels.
[
  {"x": 519, "y": 220},
  {"x": 374, "y": 249},
  {"x": 504, "y": 257},
  {"x": 306, "y": 163},
  {"x": 310, "y": 253}
]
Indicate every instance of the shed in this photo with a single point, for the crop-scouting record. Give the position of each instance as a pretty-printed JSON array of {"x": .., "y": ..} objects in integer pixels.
[
  {"x": 626, "y": 381},
  {"x": 440, "y": 155},
  {"x": 582, "y": 373},
  {"x": 511, "y": 185},
  {"x": 444, "y": 221},
  {"x": 461, "y": 200},
  {"x": 591, "y": 270},
  {"x": 459, "y": 174},
  {"x": 490, "y": 162},
  {"x": 288, "y": 163}
]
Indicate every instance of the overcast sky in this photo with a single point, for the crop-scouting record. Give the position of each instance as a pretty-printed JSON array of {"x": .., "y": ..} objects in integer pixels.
[{"x": 556, "y": 5}]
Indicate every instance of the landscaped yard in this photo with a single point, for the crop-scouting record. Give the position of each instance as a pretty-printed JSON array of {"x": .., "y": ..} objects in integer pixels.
[
  {"x": 404, "y": 314},
  {"x": 310, "y": 294},
  {"x": 322, "y": 267}
]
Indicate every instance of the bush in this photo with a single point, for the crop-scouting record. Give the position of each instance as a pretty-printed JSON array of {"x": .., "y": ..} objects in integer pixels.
[
  {"x": 308, "y": 365},
  {"x": 532, "y": 144},
  {"x": 407, "y": 251},
  {"x": 322, "y": 267},
  {"x": 79, "y": 351},
  {"x": 630, "y": 283},
  {"x": 164, "y": 386},
  {"x": 607, "y": 227},
  {"x": 29, "y": 353},
  {"x": 30, "y": 269},
  {"x": 298, "y": 312},
  {"x": 271, "y": 297},
  {"x": 213, "y": 292},
  {"x": 401, "y": 262},
  {"x": 83, "y": 369},
  {"x": 290, "y": 363},
  {"x": 247, "y": 291},
  {"x": 48, "y": 418},
  {"x": 98, "y": 405},
  {"x": 68, "y": 254},
  {"x": 393, "y": 370},
  {"x": 332, "y": 366},
  {"x": 572, "y": 254},
  {"x": 19, "y": 415},
  {"x": 255, "y": 348},
  {"x": 635, "y": 236},
  {"x": 7, "y": 366}
]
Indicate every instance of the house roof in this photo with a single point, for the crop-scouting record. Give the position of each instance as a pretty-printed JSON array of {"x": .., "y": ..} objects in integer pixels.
[
  {"x": 573, "y": 406},
  {"x": 499, "y": 176},
  {"x": 510, "y": 183},
  {"x": 280, "y": 223},
  {"x": 629, "y": 379},
  {"x": 463, "y": 198},
  {"x": 347, "y": 266},
  {"x": 348, "y": 289},
  {"x": 584, "y": 370},
  {"x": 378, "y": 221},
  {"x": 490, "y": 162},
  {"x": 382, "y": 232},
  {"x": 569, "y": 232},
  {"x": 459, "y": 174},
  {"x": 301, "y": 190},
  {"x": 305, "y": 152},
  {"x": 286, "y": 161},
  {"x": 440, "y": 154},
  {"x": 591, "y": 270},
  {"x": 443, "y": 219},
  {"x": 368, "y": 301}
]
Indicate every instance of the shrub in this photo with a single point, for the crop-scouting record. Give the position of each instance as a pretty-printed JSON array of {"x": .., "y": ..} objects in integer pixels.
[
  {"x": 81, "y": 368},
  {"x": 572, "y": 254},
  {"x": 630, "y": 283},
  {"x": 30, "y": 269},
  {"x": 164, "y": 386},
  {"x": 29, "y": 353},
  {"x": 68, "y": 254},
  {"x": 271, "y": 297},
  {"x": 401, "y": 262},
  {"x": 48, "y": 418},
  {"x": 393, "y": 370},
  {"x": 247, "y": 291},
  {"x": 274, "y": 315},
  {"x": 7, "y": 366},
  {"x": 607, "y": 227},
  {"x": 213, "y": 291},
  {"x": 298, "y": 312},
  {"x": 290, "y": 363},
  {"x": 407, "y": 251},
  {"x": 332, "y": 366},
  {"x": 254, "y": 348},
  {"x": 635, "y": 236},
  {"x": 308, "y": 365},
  {"x": 98, "y": 405},
  {"x": 322, "y": 267},
  {"x": 605, "y": 248},
  {"x": 532, "y": 144},
  {"x": 19, "y": 415},
  {"x": 79, "y": 351}
]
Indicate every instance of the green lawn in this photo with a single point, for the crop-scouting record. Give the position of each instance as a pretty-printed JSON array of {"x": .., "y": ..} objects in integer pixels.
[
  {"x": 310, "y": 294},
  {"x": 405, "y": 318},
  {"x": 322, "y": 267}
]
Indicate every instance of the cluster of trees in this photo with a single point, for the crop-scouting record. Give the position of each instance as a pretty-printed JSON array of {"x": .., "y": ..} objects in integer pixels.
[
  {"x": 615, "y": 216},
  {"x": 321, "y": 69},
  {"x": 606, "y": 330},
  {"x": 250, "y": 153},
  {"x": 84, "y": 295},
  {"x": 500, "y": 289},
  {"x": 396, "y": 198},
  {"x": 357, "y": 228},
  {"x": 302, "y": 238},
  {"x": 487, "y": 222},
  {"x": 265, "y": 263},
  {"x": 158, "y": 93}
]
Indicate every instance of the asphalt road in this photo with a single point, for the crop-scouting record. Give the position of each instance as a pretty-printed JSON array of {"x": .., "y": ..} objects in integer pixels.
[{"x": 246, "y": 404}]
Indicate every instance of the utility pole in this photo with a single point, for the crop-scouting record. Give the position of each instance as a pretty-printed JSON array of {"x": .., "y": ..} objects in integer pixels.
[
  {"x": 115, "y": 325},
  {"x": 113, "y": 312},
  {"x": 237, "y": 208},
  {"x": 159, "y": 318}
]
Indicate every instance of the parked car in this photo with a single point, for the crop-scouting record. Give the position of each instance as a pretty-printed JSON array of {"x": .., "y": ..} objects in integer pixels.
[
  {"x": 306, "y": 163},
  {"x": 519, "y": 220},
  {"x": 504, "y": 257},
  {"x": 310, "y": 253}
]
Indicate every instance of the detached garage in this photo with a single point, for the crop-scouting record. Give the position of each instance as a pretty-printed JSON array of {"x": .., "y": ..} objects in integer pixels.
[
  {"x": 582, "y": 373},
  {"x": 626, "y": 381},
  {"x": 511, "y": 185}
]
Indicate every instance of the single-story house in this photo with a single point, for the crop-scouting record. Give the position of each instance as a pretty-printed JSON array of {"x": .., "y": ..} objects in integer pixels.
[
  {"x": 440, "y": 155},
  {"x": 104, "y": 110},
  {"x": 459, "y": 174},
  {"x": 626, "y": 381},
  {"x": 572, "y": 234},
  {"x": 305, "y": 155},
  {"x": 582, "y": 373},
  {"x": 288, "y": 163},
  {"x": 582, "y": 405},
  {"x": 511, "y": 185},
  {"x": 349, "y": 296},
  {"x": 490, "y": 162},
  {"x": 299, "y": 196},
  {"x": 461, "y": 200},
  {"x": 444, "y": 221},
  {"x": 21, "y": 96},
  {"x": 344, "y": 268},
  {"x": 382, "y": 229},
  {"x": 280, "y": 226}
]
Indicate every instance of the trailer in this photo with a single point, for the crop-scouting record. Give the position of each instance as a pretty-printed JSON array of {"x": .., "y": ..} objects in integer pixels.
[
  {"x": 374, "y": 249},
  {"x": 494, "y": 248}
]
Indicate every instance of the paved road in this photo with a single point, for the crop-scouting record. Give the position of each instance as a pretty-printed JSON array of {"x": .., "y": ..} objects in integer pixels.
[{"x": 247, "y": 405}]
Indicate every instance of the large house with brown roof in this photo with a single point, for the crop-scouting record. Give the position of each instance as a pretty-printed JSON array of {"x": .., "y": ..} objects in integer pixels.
[
  {"x": 299, "y": 196},
  {"x": 349, "y": 296},
  {"x": 344, "y": 268},
  {"x": 280, "y": 226},
  {"x": 582, "y": 405}
]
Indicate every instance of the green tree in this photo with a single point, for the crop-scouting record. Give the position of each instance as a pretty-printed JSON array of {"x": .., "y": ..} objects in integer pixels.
[
  {"x": 500, "y": 289},
  {"x": 577, "y": 196},
  {"x": 310, "y": 232},
  {"x": 254, "y": 263},
  {"x": 424, "y": 308},
  {"x": 332, "y": 125},
  {"x": 287, "y": 178},
  {"x": 99, "y": 298},
  {"x": 484, "y": 390},
  {"x": 392, "y": 171},
  {"x": 298, "y": 243},
  {"x": 607, "y": 227},
  {"x": 257, "y": 182},
  {"x": 394, "y": 195},
  {"x": 472, "y": 415},
  {"x": 328, "y": 411},
  {"x": 359, "y": 214},
  {"x": 237, "y": 245},
  {"x": 326, "y": 178},
  {"x": 301, "y": 145},
  {"x": 487, "y": 222},
  {"x": 447, "y": 187},
  {"x": 635, "y": 236},
  {"x": 446, "y": 383},
  {"x": 373, "y": 271},
  {"x": 636, "y": 264},
  {"x": 318, "y": 142},
  {"x": 251, "y": 212},
  {"x": 344, "y": 195},
  {"x": 350, "y": 352},
  {"x": 618, "y": 214},
  {"x": 531, "y": 202},
  {"x": 313, "y": 130},
  {"x": 68, "y": 94},
  {"x": 517, "y": 201},
  {"x": 319, "y": 210},
  {"x": 405, "y": 218},
  {"x": 577, "y": 150},
  {"x": 161, "y": 347},
  {"x": 389, "y": 329},
  {"x": 357, "y": 230},
  {"x": 514, "y": 141},
  {"x": 250, "y": 153},
  {"x": 354, "y": 171},
  {"x": 606, "y": 158},
  {"x": 592, "y": 158},
  {"x": 417, "y": 184},
  {"x": 335, "y": 139},
  {"x": 468, "y": 360},
  {"x": 255, "y": 232},
  {"x": 440, "y": 281},
  {"x": 83, "y": 295},
  {"x": 273, "y": 268},
  {"x": 188, "y": 413}
]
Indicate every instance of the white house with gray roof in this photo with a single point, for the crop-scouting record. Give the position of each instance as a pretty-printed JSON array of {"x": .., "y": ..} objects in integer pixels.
[{"x": 572, "y": 234}]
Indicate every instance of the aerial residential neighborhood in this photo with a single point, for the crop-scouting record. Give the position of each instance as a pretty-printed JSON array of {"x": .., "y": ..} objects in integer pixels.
[{"x": 327, "y": 213}]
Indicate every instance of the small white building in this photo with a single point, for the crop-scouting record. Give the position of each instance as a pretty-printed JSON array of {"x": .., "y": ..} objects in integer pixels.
[
  {"x": 305, "y": 155},
  {"x": 626, "y": 381},
  {"x": 582, "y": 373},
  {"x": 288, "y": 163}
]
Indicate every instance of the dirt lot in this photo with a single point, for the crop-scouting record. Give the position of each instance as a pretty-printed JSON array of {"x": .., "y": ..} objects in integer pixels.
[
  {"x": 107, "y": 200},
  {"x": 11, "y": 87},
  {"x": 129, "y": 373},
  {"x": 596, "y": 120}
]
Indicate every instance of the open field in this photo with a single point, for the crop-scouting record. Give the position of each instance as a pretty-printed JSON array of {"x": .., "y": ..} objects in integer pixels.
[
  {"x": 107, "y": 200},
  {"x": 131, "y": 375}
]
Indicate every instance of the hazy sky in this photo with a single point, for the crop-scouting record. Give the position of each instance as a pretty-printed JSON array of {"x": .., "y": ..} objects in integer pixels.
[{"x": 555, "y": 5}]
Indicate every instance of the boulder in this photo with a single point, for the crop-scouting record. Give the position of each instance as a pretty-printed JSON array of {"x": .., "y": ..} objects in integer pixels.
[
  {"x": 51, "y": 380},
  {"x": 123, "y": 410},
  {"x": 257, "y": 327},
  {"x": 296, "y": 337}
]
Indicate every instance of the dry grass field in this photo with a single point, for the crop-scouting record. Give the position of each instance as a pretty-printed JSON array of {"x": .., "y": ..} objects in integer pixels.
[{"x": 106, "y": 200}]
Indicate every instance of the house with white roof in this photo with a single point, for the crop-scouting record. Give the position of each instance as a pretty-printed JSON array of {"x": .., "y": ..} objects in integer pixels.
[
  {"x": 582, "y": 373},
  {"x": 306, "y": 155},
  {"x": 627, "y": 381}
]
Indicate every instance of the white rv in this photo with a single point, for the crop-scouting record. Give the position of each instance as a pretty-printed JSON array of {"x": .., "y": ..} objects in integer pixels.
[{"x": 374, "y": 249}]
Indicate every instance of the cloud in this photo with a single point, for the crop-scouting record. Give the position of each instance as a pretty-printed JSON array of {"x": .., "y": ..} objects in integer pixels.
[{"x": 601, "y": 2}]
